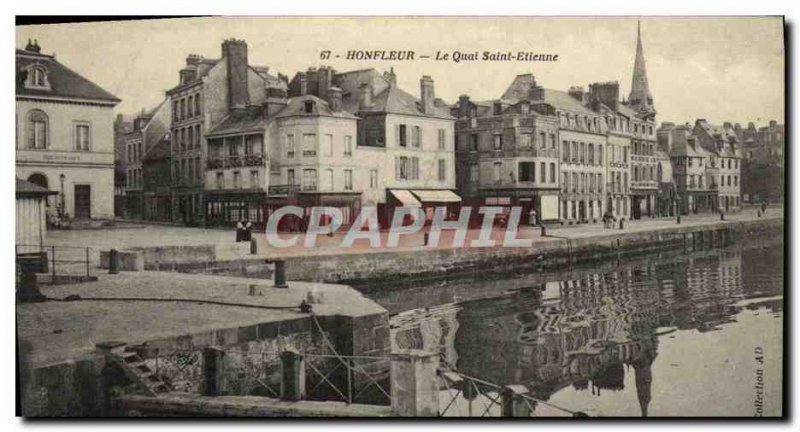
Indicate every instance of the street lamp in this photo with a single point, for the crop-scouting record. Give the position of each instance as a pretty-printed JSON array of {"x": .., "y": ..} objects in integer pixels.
[{"x": 61, "y": 177}]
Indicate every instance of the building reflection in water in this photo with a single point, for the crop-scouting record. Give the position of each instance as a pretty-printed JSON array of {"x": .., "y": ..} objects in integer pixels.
[{"x": 586, "y": 330}]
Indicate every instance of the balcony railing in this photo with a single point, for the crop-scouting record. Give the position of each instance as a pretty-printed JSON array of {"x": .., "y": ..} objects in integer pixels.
[
  {"x": 283, "y": 189},
  {"x": 235, "y": 161}
]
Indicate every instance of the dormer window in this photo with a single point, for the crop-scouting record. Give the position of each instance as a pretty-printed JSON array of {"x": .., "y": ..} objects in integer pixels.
[
  {"x": 37, "y": 78},
  {"x": 308, "y": 107}
]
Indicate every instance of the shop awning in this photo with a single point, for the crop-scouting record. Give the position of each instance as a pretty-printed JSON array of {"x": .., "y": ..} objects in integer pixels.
[
  {"x": 437, "y": 196},
  {"x": 406, "y": 198}
]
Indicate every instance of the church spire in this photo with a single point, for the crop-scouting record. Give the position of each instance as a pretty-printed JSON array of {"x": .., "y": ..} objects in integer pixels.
[{"x": 640, "y": 97}]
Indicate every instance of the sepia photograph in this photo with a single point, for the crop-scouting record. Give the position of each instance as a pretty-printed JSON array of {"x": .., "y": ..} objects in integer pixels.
[{"x": 400, "y": 216}]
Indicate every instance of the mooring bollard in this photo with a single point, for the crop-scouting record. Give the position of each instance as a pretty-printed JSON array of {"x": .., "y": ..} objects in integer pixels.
[
  {"x": 113, "y": 261},
  {"x": 679, "y": 219},
  {"x": 621, "y": 223},
  {"x": 253, "y": 246},
  {"x": 414, "y": 387},
  {"x": 213, "y": 371},
  {"x": 280, "y": 273},
  {"x": 544, "y": 231},
  {"x": 513, "y": 403},
  {"x": 293, "y": 376}
]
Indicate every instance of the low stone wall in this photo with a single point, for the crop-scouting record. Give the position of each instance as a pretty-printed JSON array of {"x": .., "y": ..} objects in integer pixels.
[
  {"x": 350, "y": 268},
  {"x": 129, "y": 260}
]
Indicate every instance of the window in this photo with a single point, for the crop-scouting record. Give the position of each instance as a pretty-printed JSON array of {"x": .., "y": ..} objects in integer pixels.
[
  {"x": 290, "y": 179},
  {"x": 402, "y": 139},
  {"x": 197, "y": 104},
  {"x": 474, "y": 173},
  {"x": 348, "y": 145},
  {"x": 498, "y": 141},
  {"x": 442, "y": 170},
  {"x": 175, "y": 110},
  {"x": 82, "y": 137},
  {"x": 401, "y": 168},
  {"x": 497, "y": 167},
  {"x": 237, "y": 180},
  {"x": 373, "y": 179},
  {"x": 190, "y": 139},
  {"x": 309, "y": 179},
  {"x": 308, "y": 107},
  {"x": 328, "y": 179},
  {"x": 736, "y": 180},
  {"x": 220, "y": 180},
  {"x": 542, "y": 172},
  {"x": 253, "y": 144},
  {"x": 414, "y": 168},
  {"x": 542, "y": 140},
  {"x": 442, "y": 138},
  {"x": 309, "y": 144},
  {"x": 565, "y": 151},
  {"x": 37, "y": 130},
  {"x": 290, "y": 146},
  {"x": 191, "y": 106},
  {"x": 473, "y": 142},
  {"x": 552, "y": 172},
  {"x": 198, "y": 172},
  {"x": 582, "y": 152},
  {"x": 527, "y": 171},
  {"x": 525, "y": 140},
  {"x": 38, "y": 77},
  {"x": 591, "y": 154},
  {"x": 197, "y": 136},
  {"x": 348, "y": 179},
  {"x": 183, "y": 109},
  {"x": 416, "y": 136},
  {"x": 328, "y": 145},
  {"x": 190, "y": 176}
]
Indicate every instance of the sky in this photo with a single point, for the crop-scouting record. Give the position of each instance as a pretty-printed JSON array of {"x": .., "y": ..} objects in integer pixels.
[{"x": 717, "y": 68}]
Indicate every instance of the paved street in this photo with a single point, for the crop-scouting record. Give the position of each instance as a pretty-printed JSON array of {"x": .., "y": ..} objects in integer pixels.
[{"x": 158, "y": 235}]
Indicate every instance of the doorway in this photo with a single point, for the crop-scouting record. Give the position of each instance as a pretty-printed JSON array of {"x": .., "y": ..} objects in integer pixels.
[{"x": 83, "y": 201}]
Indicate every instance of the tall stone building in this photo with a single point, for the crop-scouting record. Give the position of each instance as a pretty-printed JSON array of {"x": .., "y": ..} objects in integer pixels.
[
  {"x": 724, "y": 158},
  {"x": 644, "y": 185},
  {"x": 208, "y": 91},
  {"x": 404, "y": 143},
  {"x": 64, "y": 135},
  {"x": 149, "y": 129},
  {"x": 762, "y": 151}
]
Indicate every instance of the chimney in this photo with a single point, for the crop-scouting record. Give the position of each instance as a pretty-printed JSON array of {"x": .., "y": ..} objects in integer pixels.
[
  {"x": 426, "y": 94},
  {"x": 727, "y": 125},
  {"x": 303, "y": 84},
  {"x": 463, "y": 106},
  {"x": 188, "y": 74},
  {"x": 275, "y": 102},
  {"x": 235, "y": 52},
  {"x": 335, "y": 99},
  {"x": 324, "y": 81},
  {"x": 390, "y": 76},
  {"x": 773, "y": 124},
  {"x": 606, "y": 93},
  {"x": 576, "y": 92},
  {"x": 365, "y": 93},
  {"x": 33, "y": 47},
  {"x": 536, "y": 93}
]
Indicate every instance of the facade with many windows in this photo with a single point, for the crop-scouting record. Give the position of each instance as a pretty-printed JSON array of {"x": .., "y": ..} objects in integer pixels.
[
  {"x": 149, "y": 129},
  {"x": 64, "y": 136}
]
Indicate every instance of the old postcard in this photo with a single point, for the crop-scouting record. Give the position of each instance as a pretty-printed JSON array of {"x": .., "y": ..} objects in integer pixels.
[{"x": 401, "y": 217}]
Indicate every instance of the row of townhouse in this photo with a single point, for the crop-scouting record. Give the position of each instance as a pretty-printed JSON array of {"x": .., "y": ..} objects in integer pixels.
[{"x": 244, "y": 143}]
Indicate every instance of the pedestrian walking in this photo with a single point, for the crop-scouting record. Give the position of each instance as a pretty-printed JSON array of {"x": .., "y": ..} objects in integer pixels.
[
  {"x": 239, "y": 231},
  {"x": 532, "y": 217},
  {"x": 248, "y": 231}
]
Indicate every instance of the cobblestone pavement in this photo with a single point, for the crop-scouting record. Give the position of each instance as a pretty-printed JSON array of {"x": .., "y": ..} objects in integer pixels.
[{"x": 227, "y": 248}]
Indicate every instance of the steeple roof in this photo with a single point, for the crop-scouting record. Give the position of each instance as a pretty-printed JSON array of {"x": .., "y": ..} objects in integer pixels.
[{"x": 640, "y": 97}]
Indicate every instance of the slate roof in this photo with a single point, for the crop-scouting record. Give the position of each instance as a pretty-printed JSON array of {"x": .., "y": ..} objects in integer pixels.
[
  {"x": 25, "y": 187},
  {"x": 386, "y": 98},
  {"x": 162, "y": 150},
  {"x": 296, "y": 106},
  {"x": 520, "y": 90},
  {"x": 64, "y": 82},
  {"x": 250, "y": 119}
]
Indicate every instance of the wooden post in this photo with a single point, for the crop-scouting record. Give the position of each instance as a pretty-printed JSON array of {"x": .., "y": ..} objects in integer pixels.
[
  {"x": 293, "y": 376},
  {"x": 415, "y": 388},
  {"x": 213, "y": 371},
  {"x": 512, "y": 402}
]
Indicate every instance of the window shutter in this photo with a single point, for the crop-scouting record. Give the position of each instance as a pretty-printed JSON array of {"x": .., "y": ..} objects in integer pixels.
[
  {"x": 397, "y": 135},
  {"x": 396, "y": 168}
]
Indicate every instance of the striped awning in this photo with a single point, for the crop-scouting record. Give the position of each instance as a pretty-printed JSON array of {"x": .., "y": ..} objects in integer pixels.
[
  {"x": 406, "y": 198},
  {"x": 437, "y": 196}
]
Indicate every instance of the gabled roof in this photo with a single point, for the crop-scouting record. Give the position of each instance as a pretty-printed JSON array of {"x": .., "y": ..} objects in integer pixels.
[
  {"x": 250, "y": 119},
  {"x": 387, "y": 98},
  {"x": 161, "y": 150},
  {"x": 64, "y": 82},
  {"x": 520, "y": 90},
  {"x": 25, "y": 187}
]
